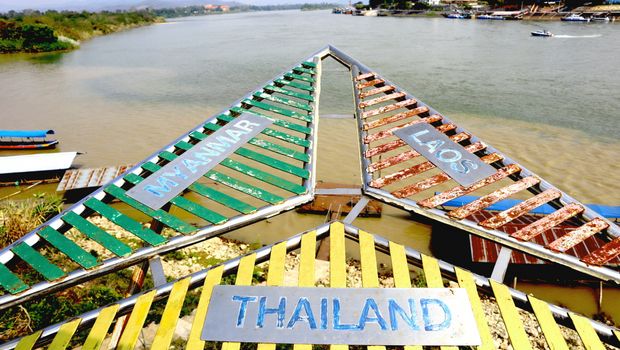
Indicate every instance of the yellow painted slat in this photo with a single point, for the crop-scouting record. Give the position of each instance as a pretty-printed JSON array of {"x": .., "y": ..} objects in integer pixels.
[
  {"x": 64, "y": 335},
  {"x": 466, "y": 280},
  {"x": 28, "y": 342},
  {"x": 214, "y": 277},
  {"x": 337, "y": 264},
  {"x": 136, "y": 322},
  {"x": 432, "y": 274},
  {"x": 510, "y": 315},
  {"x": 306, "y": 270},
  {"x": 275, "y": 276},
  {"x": 370, "y": 276},
  {"x": 169, "y": 318},
  {"x": 100, "y": 328},
  {"x": 244, "y": 278},
  {"x": 550, "y": 328},
  {"x": 617, "y": 333},
  {"x": 587, "y": 334}
]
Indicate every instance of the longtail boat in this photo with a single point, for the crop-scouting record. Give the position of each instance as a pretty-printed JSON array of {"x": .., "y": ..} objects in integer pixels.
[{"x": 26, "y": 139}]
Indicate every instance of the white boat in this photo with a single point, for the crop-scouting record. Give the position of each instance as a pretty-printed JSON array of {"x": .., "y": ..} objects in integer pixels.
[
  {"x": 543, "y": 33},
  {"x": 40, "y": 165},
  {"x": 491, "y": 17},
  {"x": 573, "y": 17},
  {"x": 600, "y": 19}
]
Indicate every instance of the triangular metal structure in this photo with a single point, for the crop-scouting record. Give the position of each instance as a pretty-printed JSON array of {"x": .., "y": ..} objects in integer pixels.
[
  {"x": 271, "y": 173},
  {"x": 395, "y": 173},
  {"x": 514, "y": 306}
]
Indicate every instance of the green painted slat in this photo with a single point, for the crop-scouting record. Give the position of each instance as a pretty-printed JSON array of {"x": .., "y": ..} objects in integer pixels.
[
  {"x": 300, "y": 77},
  {"x": 270, "y": 146},
  {"x": 271, "y": 132},
  {"x": 294, "y": 84},
  {"x": 288, "y": 92},
  {"x": 278, "y": 122},
  {"x": 309, "y": 64},
  {"x": 245, "y": 187},
  {"x": 198, "y": 210},
  {"x": 38, "y": 262},
  {"x": 278, "y": 110},
  {"x": 10, "y": 282},
  {"x": 159, "y": 215},
  {"x": 68, "y": 247},
  {"x": 264, "y": 176},
  {"x": 305, "y": 70},
  {"x": 125, "y": 222},
  {"x": 284, "y": 101},
  {"x": 95, "y": 233}
]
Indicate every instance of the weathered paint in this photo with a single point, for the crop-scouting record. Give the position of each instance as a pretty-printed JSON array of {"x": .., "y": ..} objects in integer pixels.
[
  {"x": 493, "y": 197},
  {"x": 370, "y": 83},
  {"x": 577, "y": 236},
  {"x": 522, "y": 208},
  {"x": 93, "y": 177},
  {"x": 389, "y": 108},
  {"x": 392, "y": 145},
  {"x": 381, "y": 99},
  {"x": 387, "y": 133},
  {"x": 547, "y": 222},
  {"x": 375, "y": 91},
  {"x": 395, "y": 118},
  {"x": 604, "y": 254},
  {"x": 437, "y": 179},
  {"x": 365, "y": 76}
]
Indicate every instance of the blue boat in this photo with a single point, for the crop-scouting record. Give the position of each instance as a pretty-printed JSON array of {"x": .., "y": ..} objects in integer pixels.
[
  {"x": 491, "y": 17},
  {"x": 26, "y": 139}
]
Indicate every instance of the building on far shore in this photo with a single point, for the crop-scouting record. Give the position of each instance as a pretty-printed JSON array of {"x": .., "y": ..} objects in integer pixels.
[{"x": 216, "y": 8}]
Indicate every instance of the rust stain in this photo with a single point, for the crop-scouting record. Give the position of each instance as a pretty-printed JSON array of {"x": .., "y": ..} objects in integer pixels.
[
  {"x": 520, "y": 209},
  {"x": 391, "y": 161},
  {"x": 392, "y": 145},
  {"x": 365, "y": 76},
  {"x": 92, "y": 177},
  {"x": 366, "y": 84},
  {"x": 389, "y": 108},
  {"x": 493, "y": 197},
  {"x": 376, "y": 91},
  {"x": 416, "y": 169},
  {"x": 437, "y": 179},
  {"x": 557, "y": 217},
  {"x": 387, "y": 133},
  {"x": 577, "y": 236},
  {"x": 604, "y": 254},
  {"x": 395, "y": 118},
  {"x": 385, "y": 98}
]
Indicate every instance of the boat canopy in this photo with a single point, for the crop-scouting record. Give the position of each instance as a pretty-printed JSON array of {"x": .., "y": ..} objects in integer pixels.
[{"x": 26, "y": 133}]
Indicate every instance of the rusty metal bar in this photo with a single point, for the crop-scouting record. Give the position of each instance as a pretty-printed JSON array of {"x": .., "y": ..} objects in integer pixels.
[
  {"x": 392, "y": 145},
  {"x": 604, "y": 254},
  {"x": 395, "y": 118},
  {"x": 577, "y": 236},
  {"x": 537, "y": 227},
  {"x": 376, "y": 91},
  {"x": 437, "y": 179},
  {"x": 493, "y": 197},
  {"x": 381, "y": 99},
  {"x": 364, "y": 76},
  {"x": 389, "y": 108},
  {"x": 387, "y": 133},
  {"x": 522, "y": 208},
  {"x": 370, "y": 83}
]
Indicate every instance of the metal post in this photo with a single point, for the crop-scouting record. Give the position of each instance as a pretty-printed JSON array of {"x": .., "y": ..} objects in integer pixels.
[{"x": 501, "y": 265}]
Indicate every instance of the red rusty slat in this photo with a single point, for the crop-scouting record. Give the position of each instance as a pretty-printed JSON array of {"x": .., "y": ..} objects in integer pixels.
[
  {"x": 395, "y": 118},
  {"x": 493, "y": 197},
  {"x": 458, "y": 191},
  {"x": 437, "y": 179},
  {"x": 389, "y": 108},
  {"x": 557, "y": 217},
  {"x": 384, "y": 98},
  {"x": 579, "y": 235},
  {"x": 407, "y": 155},
  {"x": 522, "y": 208},
  {"x": 387, "y": 133},
  {"x": 604, "y": 254},
  {"x": 416, "y": 169},
  {"x": 365, "y": 76},
  {"x": 392, "y": 145},
  {"x": 366, "y": 84},
  {"x": 376, "y": 91}
]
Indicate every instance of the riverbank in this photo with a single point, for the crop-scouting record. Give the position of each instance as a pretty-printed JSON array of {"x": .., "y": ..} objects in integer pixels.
[{"x": 57, "y": 31}]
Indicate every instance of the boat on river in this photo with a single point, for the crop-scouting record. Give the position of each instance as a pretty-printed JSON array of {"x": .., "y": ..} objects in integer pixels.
[
  {"x": 457, "y": 15},
  {"x": 491, "y": 17},
  {"x": 573, "y": 17},
  {"x": 543, "y": 33},
  {"x": 599, "y": 17},
  {"x": 26, "y": 139}
]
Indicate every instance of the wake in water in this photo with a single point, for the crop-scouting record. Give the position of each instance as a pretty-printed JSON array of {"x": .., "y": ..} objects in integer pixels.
[{"x": 577, "y": 36}]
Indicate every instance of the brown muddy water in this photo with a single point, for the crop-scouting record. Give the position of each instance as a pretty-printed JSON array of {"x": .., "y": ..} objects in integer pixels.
[{"x": 552, "y": 104}]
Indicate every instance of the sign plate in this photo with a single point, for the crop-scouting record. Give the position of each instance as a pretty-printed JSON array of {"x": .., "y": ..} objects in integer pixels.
[
  {"x": 174, "y": 177},
  {"x": 462, "y": 166},
  {"x": 354, "y": 316}
]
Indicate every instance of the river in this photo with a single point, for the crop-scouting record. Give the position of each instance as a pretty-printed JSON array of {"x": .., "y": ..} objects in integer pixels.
[{"x": 550, "y": 103}]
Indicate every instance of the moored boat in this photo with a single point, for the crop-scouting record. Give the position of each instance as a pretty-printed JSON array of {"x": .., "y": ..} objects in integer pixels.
[
  {"x": 491, "y": 17},
  {"x": 573, "y": 17},
  {"x": 26, "y": 139},
  {"x": 543, "y": 33}
]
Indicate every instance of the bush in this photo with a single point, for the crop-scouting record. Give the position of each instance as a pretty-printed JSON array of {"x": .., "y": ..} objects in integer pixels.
[{"x": 20, "y": 217}]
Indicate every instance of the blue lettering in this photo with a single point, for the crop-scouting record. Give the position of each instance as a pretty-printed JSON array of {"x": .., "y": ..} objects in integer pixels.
[
  {"x": 394, "y": 309},
  {"x": 235, "y": 134},
  {"x": 441, "y": 155},
  {"x": 433, "y": 145},
  {"x": 242, "y": 308},
  {"x": 263, "y": 310},
  {"x": 177, "y": 172},
  {"x": 164, "y": 186},
  {"x": 207, "y": 153},
  {"x": 426, "y": 314},
  {"x": 462, "y": 168},
  {"x": 364, "y": 318},
  {"x": 419, "y": 133},
  {"x": 193, "y": 165},
  {"x": 323, "y": 313},
  {"x": 245, "y": 125},
  {"x": 223, "y": 143},
  {"x": 305, "y": 304},
  {"x": 337, "y": 325}
]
